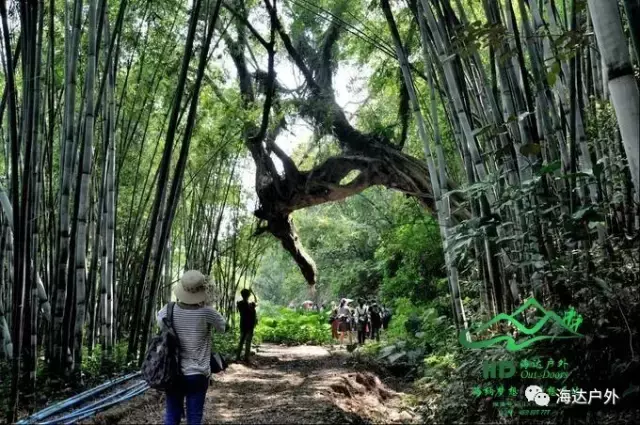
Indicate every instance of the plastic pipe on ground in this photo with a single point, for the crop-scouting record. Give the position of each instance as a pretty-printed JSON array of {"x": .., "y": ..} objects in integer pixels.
[
  {"x": 73, "y": 418},
  {"x": 93, "y": 404},
  {"x": 72, "y": 401}
]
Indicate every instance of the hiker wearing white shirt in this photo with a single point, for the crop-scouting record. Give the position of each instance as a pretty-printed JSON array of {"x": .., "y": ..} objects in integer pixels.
[
  {"x": 344, "y": 317},
  {"x": 362, "y": 317}
]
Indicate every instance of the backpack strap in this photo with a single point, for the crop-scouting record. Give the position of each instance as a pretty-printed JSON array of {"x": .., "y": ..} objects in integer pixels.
[
  {"x": 170, "y": 307},
  {"x": 169, "y": 323}
]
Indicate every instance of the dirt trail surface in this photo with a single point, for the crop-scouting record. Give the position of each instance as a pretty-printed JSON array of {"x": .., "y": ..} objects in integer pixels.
[{"x": 290, "y": 385}]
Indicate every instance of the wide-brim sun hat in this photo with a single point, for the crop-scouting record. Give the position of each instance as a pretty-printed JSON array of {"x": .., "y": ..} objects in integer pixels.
[{"x": 192, "y": 288}]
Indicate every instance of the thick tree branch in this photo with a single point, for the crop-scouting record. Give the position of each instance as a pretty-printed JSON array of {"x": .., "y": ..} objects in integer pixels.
[
  {"x": 269, "y": 91},
  {"x": 373, "y": 158},
  {"x": 282, "y": 228},
  {"x": 236, "y": 51},
  {"x": 289, "y": 166},
  {"x": 242, "y": 18},
  {"x": 326, "y": 65},
  {"x": 266, "y": 173},
  {"x": 293, "y": 52}
]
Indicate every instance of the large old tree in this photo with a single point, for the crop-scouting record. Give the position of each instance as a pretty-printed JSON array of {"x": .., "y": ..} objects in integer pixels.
[{"x": 366, "y": 159}]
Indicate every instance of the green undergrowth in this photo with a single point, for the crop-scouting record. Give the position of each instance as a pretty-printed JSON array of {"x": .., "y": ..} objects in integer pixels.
[
  {"x": 226, "y": 343},
  {"x": 100, "y": 364},
  {"x": 419, "y": 342},
  {"x": 284, "y": 326},
  {"x": 97, "y": 367},
  {"x": 422, "y": 348}
]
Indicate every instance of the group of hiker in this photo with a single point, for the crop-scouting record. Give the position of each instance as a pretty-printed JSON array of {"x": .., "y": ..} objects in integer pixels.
[{"x": 366, "y": 319}]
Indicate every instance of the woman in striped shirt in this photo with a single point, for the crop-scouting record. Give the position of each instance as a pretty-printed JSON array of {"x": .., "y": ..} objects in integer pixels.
[{"x": 193, "y": 320}]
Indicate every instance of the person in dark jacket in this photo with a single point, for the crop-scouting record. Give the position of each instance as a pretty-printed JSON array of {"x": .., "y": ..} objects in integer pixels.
[
  {"x": 386, "y": 317},
  {"x": 376, "y": 322},
  {"x": 248, "y": 322}
]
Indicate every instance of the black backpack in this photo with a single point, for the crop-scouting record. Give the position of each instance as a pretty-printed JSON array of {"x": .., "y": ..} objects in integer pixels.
[
  {"x": 161, "y": 366},
  {"x": 218, "y": 363}
]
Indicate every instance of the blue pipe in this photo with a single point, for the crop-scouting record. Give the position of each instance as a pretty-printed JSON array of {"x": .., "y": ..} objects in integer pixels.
[
  {"x": 79, "y": 415},
  {"x": 93, "y": 404},
  {"x": 72, "y": 401},
  {"x": 124, "y": 398},
  {"x": 100, "y": 402}
]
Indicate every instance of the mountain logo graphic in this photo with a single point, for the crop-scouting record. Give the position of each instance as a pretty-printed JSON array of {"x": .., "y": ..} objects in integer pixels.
[{"x": 567, "y": 325}]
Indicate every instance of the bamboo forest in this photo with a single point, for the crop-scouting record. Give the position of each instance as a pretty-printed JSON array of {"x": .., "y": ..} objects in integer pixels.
[{"x": 433, "y": 207}]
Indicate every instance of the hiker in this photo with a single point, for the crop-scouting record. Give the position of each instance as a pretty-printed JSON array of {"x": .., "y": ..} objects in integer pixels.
[
  {"x": 335, "y": 322},
  {"x": 386, "y": 318},
  {"x": 361, "y": 317},
  {"x": 344, "y": 317},
  {"x": 248, "y": 321},
  {"x": 369, "y": 328},
  {"x": 192, "y": 321},
  {"x": 376, "y": 322}
]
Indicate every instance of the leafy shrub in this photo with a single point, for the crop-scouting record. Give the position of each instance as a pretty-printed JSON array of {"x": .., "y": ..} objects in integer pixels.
[
  {"x": 95, "y": 365},
  {"x": 418, "y": 342},
  {"x": 268, "y": 309},
  {"x": 225, "y": 344},
  {"x": 294, "y": 328}
]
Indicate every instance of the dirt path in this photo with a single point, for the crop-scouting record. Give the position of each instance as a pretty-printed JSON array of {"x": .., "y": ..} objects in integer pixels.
[{"x": 304, "y": 384}]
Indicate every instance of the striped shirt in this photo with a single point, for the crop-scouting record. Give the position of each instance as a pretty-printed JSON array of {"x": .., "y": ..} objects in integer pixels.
[{"x": 193, "y": 327}]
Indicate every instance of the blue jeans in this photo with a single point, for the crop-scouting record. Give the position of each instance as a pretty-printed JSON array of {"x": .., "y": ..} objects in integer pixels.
[{"x": 194, "y": 389}]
